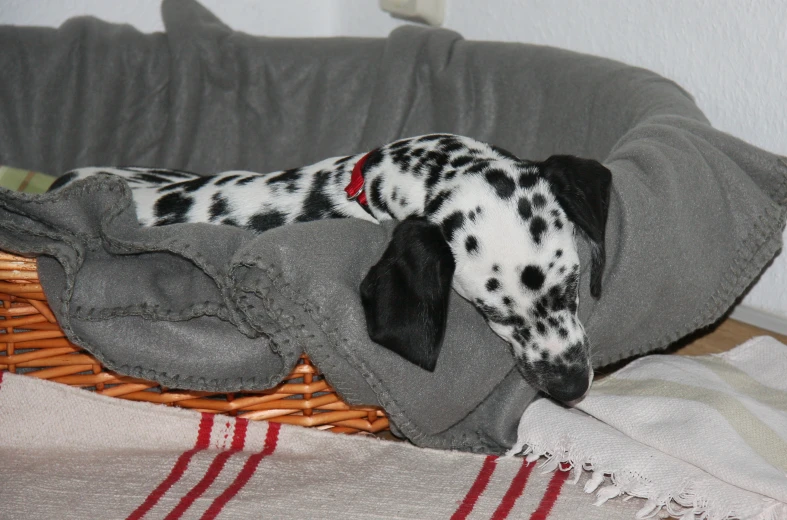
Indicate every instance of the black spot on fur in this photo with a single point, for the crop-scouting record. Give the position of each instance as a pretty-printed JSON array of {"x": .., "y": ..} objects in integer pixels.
[
  {"x": 418, "y": 168},
  {"x": 450, "y": 174},
  {"x": 507, "y": 301},
  {"x": 435, "y": 172},
  {"x": 373, "y": 159},
  {"x": 150, "y": 178},
  {"x": 525, "y": 209},
  {"x": 471, "y": 215},
  {"x": 562, "y": 332},
  {"x": 433, "y": 137},
  {"x": 178, "y": 174},
  {"x": 168, "y": 187},
  {"x": 560, "y": 297},
  {"x": 553, "y": 299},
  {"x": 172, "y": 208},
  {"x": 558, "y": 224},
  {"x": 437, "y": 202},
  {"x": 343, "y": 160},
  {"x": 289, "y": 178},
  {"x": 401, "y": 160},
  {"x": 451, "y": 223},
  {"x": 462, "y": 160},
  {"x": 515, "y": 319},
  {"x": 492, "y": 313},
  {"x": 495, "y": 268},
  {"x": 376, "y": 194},
  {"x": 471, "y": 244},
  {"x": 539, "y": 201},
  {"x": 245, "y": 180},
  {"x": 541, "y": 328},
  {"x": 523, "y": 334},
  {"x": 262, "y": 222},
  {"x": 218, "y": 207},
  {"x": 190, "y": 185},
  {"x": 230, "y": 222},
  {"x": 451, "y": 145},
  {"x": 533, "y": 277},
  {"x": 528, "y": 180},
  {"x": 195, "y": 184},
  {"x": 537, "y": 228},
  {"x": 501, "y": 182},
  {"x": 504, "y": 153},
  {"x": 221, "y": 181},
  {"x": 436, "y": 157},
  {"x": 478, "y": 167},
  {"x": 573, "y": 278},
  {"x": 62, "y": 181},
  {"x": 492, "y": 284},
  {"x": 558, "y": 253},
  {"x": 317, "y": 204},
  {"x": 399, "y": 144},
  {"x": 575, "y": 354}
]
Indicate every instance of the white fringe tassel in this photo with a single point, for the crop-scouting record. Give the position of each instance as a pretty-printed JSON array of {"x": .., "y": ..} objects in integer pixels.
[{"x": 682, "y": 503}]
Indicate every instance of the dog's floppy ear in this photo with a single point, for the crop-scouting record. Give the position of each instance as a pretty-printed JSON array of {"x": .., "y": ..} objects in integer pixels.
[
  {"x": 582, "y": 187},
  {"x": 405, "y": 295}
]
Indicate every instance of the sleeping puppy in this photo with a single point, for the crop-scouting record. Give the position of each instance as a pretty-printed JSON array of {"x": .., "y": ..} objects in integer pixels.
[{"x": 472, "y": 217}]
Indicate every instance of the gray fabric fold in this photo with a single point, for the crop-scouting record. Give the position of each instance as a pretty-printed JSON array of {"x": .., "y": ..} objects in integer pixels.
[{"x": 695, "y": 215}]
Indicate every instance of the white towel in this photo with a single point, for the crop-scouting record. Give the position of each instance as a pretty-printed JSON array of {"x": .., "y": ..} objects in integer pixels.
[{"x": 699, "y": 437}]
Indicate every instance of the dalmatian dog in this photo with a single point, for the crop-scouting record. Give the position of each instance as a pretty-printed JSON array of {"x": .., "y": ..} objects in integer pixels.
[{"x": 473, "y": 217}]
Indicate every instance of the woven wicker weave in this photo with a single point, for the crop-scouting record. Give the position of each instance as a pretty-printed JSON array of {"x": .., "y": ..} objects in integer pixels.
[{"x": 31, "y": 342}]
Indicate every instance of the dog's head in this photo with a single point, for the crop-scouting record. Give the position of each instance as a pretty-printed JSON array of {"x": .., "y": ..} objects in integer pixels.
[{"x": 504, "y": 240}]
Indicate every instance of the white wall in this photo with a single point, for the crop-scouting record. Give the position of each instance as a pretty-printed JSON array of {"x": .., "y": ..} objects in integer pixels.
[{"x": 730, "y": 54}]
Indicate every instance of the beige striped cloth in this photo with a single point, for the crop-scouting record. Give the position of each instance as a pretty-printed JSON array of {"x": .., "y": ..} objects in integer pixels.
[
  {"x": 698, "y": 437},
  {"x": 66, "y": 453}
]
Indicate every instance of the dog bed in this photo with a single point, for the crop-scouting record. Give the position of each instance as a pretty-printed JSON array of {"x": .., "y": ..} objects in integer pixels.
[{"x": 695, "y": 214}]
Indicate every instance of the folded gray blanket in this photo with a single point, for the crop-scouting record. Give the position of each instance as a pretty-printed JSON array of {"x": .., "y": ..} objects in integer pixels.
[{"x": 695, "y": 214}]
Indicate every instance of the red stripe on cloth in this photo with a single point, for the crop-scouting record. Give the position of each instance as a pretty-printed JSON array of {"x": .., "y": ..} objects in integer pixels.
[
  {"x": 271, "y": 438},
  {"x": 238, "y": 440},
  {"x": 177, "y": 471},
  {"x": 478, "y": 487},
  {"x": 550, "y": 495},
  {"x": 515, "y": 490},
  {"x": 1, "y": 378}
]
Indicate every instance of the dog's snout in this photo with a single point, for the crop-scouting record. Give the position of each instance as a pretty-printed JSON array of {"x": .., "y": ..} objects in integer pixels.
[{"x": 570, "y": 384}]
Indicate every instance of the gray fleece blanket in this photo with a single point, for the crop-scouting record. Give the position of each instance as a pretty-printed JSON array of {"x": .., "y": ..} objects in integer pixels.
[{"x": 695, "y": 213}]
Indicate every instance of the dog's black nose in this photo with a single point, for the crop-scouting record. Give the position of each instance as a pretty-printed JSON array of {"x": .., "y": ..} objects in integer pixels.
[{"x": 571, "y": 384}]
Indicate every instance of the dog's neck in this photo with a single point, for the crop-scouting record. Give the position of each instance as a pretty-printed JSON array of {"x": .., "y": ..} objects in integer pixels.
[{"x": 387, "y": 198}]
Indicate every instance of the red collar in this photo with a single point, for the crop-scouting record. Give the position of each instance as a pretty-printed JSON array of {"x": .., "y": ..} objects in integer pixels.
[{"x": 354, "y": 190}]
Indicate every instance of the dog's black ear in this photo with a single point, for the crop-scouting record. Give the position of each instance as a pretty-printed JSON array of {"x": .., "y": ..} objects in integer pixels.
[
  {"x": 582, "y": 187},
  {"x": 405, "y": 295}
]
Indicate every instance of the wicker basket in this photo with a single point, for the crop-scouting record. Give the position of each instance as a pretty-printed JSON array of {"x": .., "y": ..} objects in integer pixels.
[{"x": 31, "y": 342}]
